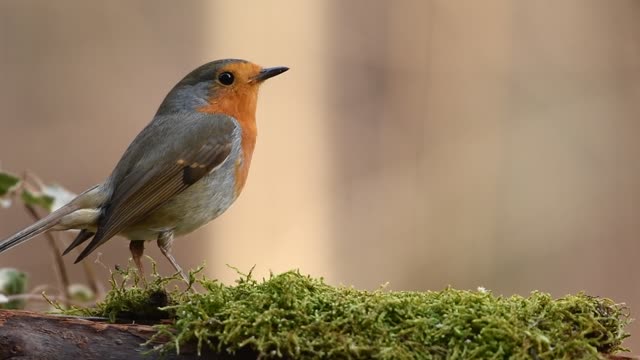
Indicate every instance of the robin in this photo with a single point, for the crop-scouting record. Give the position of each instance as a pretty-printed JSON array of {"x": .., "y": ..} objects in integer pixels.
[{"x": 184, "y": 169}]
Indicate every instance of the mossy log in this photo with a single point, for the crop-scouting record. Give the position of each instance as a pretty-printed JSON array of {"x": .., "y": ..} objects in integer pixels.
[
  {"x": 293, "y": 316},
  {"x": 30, "y": 335}
]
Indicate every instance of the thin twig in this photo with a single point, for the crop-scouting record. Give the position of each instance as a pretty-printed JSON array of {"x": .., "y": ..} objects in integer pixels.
[
  {"x": 39, "y": 289},
  {"x": 38, "y": 297},
  {"x": 36, "y": 290},
  {"x": 59, "y": 263},
  {"x": 91, "y": 279},
  {"x": 88, "y": 269}
]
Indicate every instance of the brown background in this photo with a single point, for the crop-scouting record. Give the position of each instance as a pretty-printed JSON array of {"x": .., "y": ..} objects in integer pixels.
[{"x": 424, "y": 143}]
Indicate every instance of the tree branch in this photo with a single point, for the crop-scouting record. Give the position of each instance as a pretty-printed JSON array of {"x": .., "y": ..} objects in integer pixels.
[{"x": 60, "y": 267}]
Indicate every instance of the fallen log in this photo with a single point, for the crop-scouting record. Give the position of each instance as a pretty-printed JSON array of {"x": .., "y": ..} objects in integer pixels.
[
  {"x": 293, "y": 316},
  {"x": 30, "y": 335}
]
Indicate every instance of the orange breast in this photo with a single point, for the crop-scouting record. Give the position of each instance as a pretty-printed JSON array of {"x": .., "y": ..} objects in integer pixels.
[
  {"x": 241, "y": 105},
  {"x": 249, "y": 134}
]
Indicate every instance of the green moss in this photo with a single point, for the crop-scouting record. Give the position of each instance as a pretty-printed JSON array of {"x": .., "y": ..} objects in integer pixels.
[{"x": 295, "y": 316}]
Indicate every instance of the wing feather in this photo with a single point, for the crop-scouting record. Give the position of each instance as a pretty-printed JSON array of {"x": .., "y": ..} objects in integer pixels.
[{"x": 200, "y": 143}]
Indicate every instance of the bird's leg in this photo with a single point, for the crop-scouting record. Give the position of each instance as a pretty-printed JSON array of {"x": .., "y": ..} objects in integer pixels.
[
  {"x": 137, "y": 249},
  {"x": 165, "y": 240}
]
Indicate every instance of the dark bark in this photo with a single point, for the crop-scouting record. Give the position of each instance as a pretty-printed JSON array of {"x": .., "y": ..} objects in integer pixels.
[{"x": 29, "y": 335}]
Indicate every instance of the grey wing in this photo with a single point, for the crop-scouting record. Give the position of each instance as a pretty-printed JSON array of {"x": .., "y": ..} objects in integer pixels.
[{"x": 170, "y": 154}]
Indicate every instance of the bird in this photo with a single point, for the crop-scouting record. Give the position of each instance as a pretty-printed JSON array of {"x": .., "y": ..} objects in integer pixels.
[{"x": 185, "y": 167}]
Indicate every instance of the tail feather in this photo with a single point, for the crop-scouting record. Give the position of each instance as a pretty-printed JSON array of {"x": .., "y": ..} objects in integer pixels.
[
  {"x": 37, "y": 228},
  {"x": 83, "y": 236},
  {"x": 90, "y": 199}
]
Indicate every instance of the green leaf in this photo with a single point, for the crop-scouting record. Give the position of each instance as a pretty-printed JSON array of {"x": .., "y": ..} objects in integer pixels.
[
  {"x": 60, "y": 195},
  {"x": 37, "y": 199},
  {"x": 81, "y": 292},
  {"x": 5, "y": 202},
  {"x": 12, "y": 282},
  {"x": 7, "y": 182}
]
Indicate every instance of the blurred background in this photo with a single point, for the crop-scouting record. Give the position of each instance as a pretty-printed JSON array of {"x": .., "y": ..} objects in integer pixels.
[{"x": 423, "y": 143}]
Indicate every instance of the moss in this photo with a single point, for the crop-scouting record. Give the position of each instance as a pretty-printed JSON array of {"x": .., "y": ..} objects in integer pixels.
[{"x": 291, "y": 315}]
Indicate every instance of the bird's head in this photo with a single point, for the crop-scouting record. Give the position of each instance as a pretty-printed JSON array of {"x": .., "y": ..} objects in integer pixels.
[{"x": 227, "y": 86}]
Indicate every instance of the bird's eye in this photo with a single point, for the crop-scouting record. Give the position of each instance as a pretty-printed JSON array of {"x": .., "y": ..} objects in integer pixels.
[{"x": 226, "y": 78}]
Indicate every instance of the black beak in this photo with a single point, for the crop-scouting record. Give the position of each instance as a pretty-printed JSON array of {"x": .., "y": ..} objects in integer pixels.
[{"x": 264, "y": 74}]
